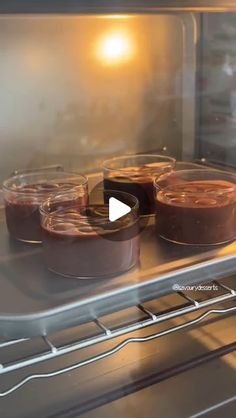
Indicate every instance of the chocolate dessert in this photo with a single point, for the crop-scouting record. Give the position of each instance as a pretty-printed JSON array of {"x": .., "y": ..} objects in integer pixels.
[
  {"x": 197, "y": 212},
  {"x": 138, "y": 181},
  {"x": 83, "y": 243},
  {"x": 22, "y": 208}
]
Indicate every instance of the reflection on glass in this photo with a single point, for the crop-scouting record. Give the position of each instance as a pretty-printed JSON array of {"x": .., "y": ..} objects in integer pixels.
[{"x": 217, "y": 89}]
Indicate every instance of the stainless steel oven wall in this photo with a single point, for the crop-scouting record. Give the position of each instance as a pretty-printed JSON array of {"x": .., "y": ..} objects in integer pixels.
[{"x": 75, "y": 90}]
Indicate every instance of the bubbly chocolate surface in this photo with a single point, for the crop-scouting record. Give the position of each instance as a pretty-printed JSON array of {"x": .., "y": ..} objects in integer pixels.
[
  {"x": 88, "y": 245},
  {"x": 197, "y": 212}
]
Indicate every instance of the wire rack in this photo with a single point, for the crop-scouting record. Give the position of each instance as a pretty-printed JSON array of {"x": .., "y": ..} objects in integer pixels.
[{"x": 204, "y": 309}]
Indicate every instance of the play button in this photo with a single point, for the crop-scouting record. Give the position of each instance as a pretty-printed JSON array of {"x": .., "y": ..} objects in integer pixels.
[
  {"x": 119, "y": 214},
  {"x": 117, "y": 209}
]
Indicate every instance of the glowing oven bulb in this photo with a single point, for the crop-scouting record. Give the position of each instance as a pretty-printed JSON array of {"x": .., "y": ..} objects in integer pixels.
[{"x": 115, "y": 48}]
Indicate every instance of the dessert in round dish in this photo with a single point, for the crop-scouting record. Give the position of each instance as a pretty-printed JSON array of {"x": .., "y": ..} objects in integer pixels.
[
  {"x": 24, "y": 193},
  {"x": 82, "y": 242},
  {"x": 196, "y": 207},
  {"x": 135, "y": 174}
]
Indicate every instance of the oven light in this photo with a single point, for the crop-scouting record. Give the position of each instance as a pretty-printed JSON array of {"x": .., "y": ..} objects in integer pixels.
[{"x": 115, "y": 48}]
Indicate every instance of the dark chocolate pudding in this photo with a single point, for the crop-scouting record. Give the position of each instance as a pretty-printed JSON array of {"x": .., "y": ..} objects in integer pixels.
[
  {"x": 75, "y": 244},
  {"x": 138, "y": 181},
  {"x": 197, "y": 212},
  {"x": 22, "y": 209}
]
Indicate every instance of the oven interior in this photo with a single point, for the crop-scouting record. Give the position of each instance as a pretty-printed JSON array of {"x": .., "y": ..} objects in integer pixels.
[{"x": 78, "y": 89}]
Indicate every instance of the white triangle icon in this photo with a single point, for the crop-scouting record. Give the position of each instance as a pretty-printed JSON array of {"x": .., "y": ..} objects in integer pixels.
[{"x": 117, "y": 209}]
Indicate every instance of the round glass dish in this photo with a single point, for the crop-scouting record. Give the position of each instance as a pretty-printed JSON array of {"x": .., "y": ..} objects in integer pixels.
[
  {"x": 135, "y": 174},
  {"x": 24, "y": 193},
  {"x": 81, "y": 242},
  {"x": 196, "y": 207}
]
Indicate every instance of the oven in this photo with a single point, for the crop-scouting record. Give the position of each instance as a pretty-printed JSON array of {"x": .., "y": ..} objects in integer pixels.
[{"x": 82, "y": 84}]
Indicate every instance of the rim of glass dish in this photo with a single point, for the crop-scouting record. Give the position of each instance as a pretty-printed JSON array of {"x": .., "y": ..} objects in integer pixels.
[
  {"x": 8, "y": 188},
  {"x": 55, "y": 214},
  {"x": 124, "y": 157},
  {"x": 157, "y": 180}
]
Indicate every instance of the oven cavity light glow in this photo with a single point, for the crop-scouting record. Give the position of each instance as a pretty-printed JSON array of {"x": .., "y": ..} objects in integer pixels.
[{"x": 115, "y": 48}]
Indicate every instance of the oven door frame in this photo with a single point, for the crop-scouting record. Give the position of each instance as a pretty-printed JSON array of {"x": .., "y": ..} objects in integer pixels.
[{"x": 114, "y": 6}]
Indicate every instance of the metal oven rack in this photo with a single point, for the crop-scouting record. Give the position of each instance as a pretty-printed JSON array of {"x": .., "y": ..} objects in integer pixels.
[{"x": 204, "y": 308}]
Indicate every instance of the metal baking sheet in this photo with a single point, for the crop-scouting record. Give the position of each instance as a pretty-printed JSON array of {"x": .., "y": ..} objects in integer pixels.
[{"x": 34, "y": 301}]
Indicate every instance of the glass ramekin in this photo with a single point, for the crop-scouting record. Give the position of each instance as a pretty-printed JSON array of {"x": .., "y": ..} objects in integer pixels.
[
  {"x": 81, "y": 242},
  {"x": 134, "y": 174},
  {"x": 196, "y": 207},
  {"x": 24, "y": 193}
]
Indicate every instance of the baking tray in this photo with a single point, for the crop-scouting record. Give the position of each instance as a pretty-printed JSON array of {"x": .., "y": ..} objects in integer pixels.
[{"x": 34, "y": 301}]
